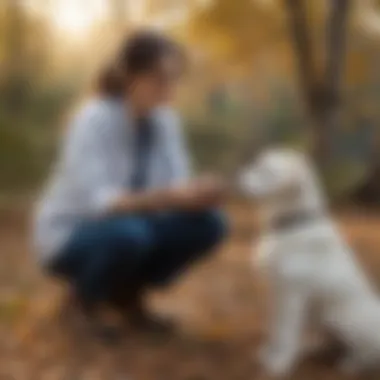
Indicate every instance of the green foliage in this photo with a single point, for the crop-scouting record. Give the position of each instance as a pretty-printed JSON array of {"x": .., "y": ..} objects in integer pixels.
[
  {"x": 31, "y": 99},
  {"x": 284, "y": 122},
  {"x": 28, "y": 139},
  {"x": 17, "y": 166},
  {"x": 223, "y": 132},
  {"x": 219, "y": 135},
  {"x": 212, "y": 141},
  {"x": 344, "y": 175}
]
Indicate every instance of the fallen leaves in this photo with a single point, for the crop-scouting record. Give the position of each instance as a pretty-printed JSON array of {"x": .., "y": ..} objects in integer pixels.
[{"x": 219, "y": 305}]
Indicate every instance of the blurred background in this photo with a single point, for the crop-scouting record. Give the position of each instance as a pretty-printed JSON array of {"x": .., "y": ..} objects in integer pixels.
[
  {"x": 249, "y": 83},
  {"x": 242, "y": 83}
]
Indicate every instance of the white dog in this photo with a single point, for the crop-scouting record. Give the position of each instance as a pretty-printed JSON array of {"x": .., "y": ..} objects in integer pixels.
[{"x": 308, "y": 264}]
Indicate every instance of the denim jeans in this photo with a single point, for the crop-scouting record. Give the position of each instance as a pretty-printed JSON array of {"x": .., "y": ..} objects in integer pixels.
[{"x": 117, "y": 254}]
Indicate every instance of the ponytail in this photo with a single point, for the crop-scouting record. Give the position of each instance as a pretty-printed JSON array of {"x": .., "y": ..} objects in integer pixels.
[{"x": 111, "y": 82}]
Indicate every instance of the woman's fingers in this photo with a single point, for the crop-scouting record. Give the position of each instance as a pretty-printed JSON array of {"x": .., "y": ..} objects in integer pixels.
[
  {"x": 214, "y": 186},
  {"x": 206, "y": 191}
]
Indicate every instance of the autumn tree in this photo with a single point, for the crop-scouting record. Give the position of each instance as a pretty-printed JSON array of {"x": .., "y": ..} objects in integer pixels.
[
  {"x": 328, "y": 47},
  {"x": 322, "y": 90}
]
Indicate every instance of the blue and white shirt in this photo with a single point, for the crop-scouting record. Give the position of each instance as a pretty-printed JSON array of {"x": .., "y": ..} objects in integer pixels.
[{"x": 97, "y": 164}]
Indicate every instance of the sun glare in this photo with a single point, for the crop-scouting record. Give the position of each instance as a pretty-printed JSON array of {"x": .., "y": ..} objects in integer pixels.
[
  {"x": 74, "y": 17},
  {"x": 69, "y": 18}
]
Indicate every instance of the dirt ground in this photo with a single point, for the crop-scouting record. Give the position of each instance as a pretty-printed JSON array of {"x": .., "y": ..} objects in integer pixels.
[{"x": 219, "y": 303}]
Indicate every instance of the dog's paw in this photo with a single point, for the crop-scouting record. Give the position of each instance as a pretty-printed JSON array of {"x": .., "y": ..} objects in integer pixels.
[
  {"x": 263, "y": 355},
  {"x": 274, "y": 366}
]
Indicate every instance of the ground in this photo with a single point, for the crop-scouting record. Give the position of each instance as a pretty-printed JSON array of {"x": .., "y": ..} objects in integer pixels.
[{"x": 219, "y": 303}]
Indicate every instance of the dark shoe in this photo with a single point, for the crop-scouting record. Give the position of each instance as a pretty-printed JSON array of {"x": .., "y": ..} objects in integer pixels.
[
  {"x": 108, "y": 331},
  {"x": 139, "y": 318},
  {"x": 147, "y": 322},
  {"x": 99, "y": 321}
]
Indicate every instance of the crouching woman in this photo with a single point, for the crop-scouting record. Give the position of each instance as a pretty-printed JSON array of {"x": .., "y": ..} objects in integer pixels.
[{"x": 121, "y": 214}]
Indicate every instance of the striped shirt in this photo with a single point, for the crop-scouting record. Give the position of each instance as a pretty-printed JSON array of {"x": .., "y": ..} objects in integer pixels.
[{"x": 97, "y": 164}]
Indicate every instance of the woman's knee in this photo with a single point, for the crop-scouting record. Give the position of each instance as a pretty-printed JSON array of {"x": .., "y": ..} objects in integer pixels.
[
  {"x": 214, "y": 225},
  {"x": 133, "y": 235}
]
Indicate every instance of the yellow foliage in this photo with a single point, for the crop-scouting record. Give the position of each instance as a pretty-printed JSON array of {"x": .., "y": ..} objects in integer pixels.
[{"x": 242, "y": 30}]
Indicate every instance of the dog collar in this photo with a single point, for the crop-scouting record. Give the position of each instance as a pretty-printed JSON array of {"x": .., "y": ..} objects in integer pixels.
[{"x": 293, "y": 219}]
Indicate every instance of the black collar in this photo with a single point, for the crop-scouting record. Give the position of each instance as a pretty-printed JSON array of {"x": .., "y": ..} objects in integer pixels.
[{"x": 294, "y": 219}]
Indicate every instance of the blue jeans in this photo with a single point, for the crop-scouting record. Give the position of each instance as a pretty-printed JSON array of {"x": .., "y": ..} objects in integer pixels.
[{"x": 113, "y": 255}]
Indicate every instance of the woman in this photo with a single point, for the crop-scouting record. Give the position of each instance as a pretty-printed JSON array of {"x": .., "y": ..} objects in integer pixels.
[{"x": 121, "y": 214}]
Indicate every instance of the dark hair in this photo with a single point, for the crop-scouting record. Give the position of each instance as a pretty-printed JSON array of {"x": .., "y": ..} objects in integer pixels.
[{"x": 140, "y": 53}]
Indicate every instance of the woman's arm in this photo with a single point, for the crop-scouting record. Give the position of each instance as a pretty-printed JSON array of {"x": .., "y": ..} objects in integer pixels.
[
  {"x": 182, "y": 193},
  {"x": 89, "y": 155},
  {"x": 197, "y": 194}
]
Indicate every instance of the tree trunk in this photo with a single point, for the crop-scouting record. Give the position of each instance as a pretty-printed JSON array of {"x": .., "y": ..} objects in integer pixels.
[
  {"x": 368, "y": 193},
  {"x": 322, "y": 93}
]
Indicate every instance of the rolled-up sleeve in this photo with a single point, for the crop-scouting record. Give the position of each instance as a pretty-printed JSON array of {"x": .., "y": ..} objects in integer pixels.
[
  {"x": 91, "y": 162},
  {"x": 103, "y": 199}
]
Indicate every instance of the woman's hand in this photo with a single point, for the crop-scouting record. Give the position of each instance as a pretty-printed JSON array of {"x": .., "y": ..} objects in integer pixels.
[
  {"x": 206, "y": 191},
  {"x": 212, "y": 187}
]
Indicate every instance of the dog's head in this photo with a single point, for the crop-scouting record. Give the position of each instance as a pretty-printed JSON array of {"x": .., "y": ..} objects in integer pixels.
[{"x": 278, "y": 174}]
